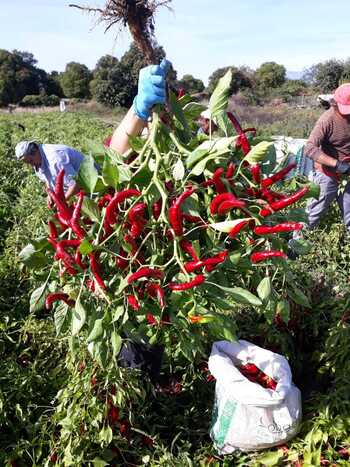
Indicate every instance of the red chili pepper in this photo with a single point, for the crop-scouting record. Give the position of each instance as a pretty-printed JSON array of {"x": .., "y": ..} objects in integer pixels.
[
  {"x": 53, "y": 234},
  {"x": 283, "y": 227},
  {"x": 188, "y": 248},
  {"x": 237, "y": 228},
  {"x": 103, "y": 202},
  {"x": 133, "y": 302},
  {"x": 119, "y": 197},
  {"x": 180, "y": 93},
  {"x": 255, "y": 170},
  {"x": 198, "y": 280},
  {"x": 283, "y": 203},
  {"x": 266, "y": 254},
  {"x": 156, "y": 291},
  {"x": 175, "y": 214},
  {"x": 78, "y": 260},
  {"x": 64, "y": 212},
  {"x": 74, "y": 223},
  {"x": 55, "y": 297},
  {"x": 277, "y": 176},
  {"x": 134, "y": 248},
  {"x": 95, "y": 269},
  {"x": 227, "y": 206},
  {"x": 145, "y": 272},
  {"x": 230, "y": 170},
  {"x": 137, "y": 220},
  {"x": 121, "y": 260},
  {"x": 207, "y": 183},
  {"x": 192, "y": 266},
  {"x": 74, "y": 243},
  {"x": 113, "y": 415},
  {"x": 66, "y": 258},
  {"x": 219, "y": 184},
  {"x": 218, "y": 199},
  {"x": 59, "y": 184},
  {"x": 90, "y": 284},
  {"x": 157, "y": 208},
  {"x": 192, "y": 219},
  {"x": 151, "y": 319},
  {"x": 242, "y": 140}
]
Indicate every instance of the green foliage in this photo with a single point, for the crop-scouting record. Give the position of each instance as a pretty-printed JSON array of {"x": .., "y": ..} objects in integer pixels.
[
  {"x": 40, "y": 99},
  {"x": 241, "y": 79},
  {"x": 75, "y": 80},
  {"x": 326, "y": 76},
  {"x": 190, "y": 84},
  {"x": 270, "y": 75}
]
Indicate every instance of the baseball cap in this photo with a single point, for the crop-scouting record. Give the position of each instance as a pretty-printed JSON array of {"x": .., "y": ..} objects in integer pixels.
[
  {"x": 22, "y": 148},
  {"x": 342, "y": 98}
]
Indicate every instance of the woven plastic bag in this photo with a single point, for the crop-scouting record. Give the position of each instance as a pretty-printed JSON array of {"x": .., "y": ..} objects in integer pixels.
[{"x": 247, "y": 416}]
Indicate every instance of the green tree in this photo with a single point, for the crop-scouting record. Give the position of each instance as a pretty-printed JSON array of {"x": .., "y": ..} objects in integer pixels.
[
  {"x": 270, "y": 75},
  {"x": 75, "y": 80},
  {"x": 326, "y": 76},
  {"x": 240, "y": 79},
  {"x": 115, "y": 82},
  {"x": 191, "y": 84}
]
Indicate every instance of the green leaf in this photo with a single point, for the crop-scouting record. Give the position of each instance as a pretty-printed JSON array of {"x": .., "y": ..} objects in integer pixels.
[
  {"x": 125, "y": 174},
  {"x": 192, "y": 110},
  {"x": 87, "y": 175},
  {"x": 116, "y": 342},
  {"x": 37, "y": 298},
  {"x": 136, "y": 143},
  {"x": 105, "y": 436},
  {"x": 110, "y": 172},
  {"x": 78, "y": 317},
  {"x": 62, "y": 317},
  {"x": 219, "y": 99},
  {"x": 143, "y": 177},
  {"x": 264, "y": 288},
  {"x": 97, "y": 462},
  {"x": 240, "y": 295},
  {"x": 224, "y": 123},
  {"x": 283, "y": 309},
  {"x": 32, "y": 258},
  {"x": 85, "y": 247},
  {"x": 96, "y": 331},
  {"x": 271, "y": 459},
  {"x": 299, "y": 297},
  {"x": 212, "y": 148},
  {"x": 314, "y": 191},
  {"x": 90, "y": 209},
  {"x": 260, "y": 152}
]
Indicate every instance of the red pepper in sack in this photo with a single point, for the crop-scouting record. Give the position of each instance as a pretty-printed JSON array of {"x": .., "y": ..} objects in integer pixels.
[
  {"x": 175, "y": 214},
  {"x": 283, "y": 203},
  {"x": 156, "y": 291},
  {"x": 55, "y": 297},
  {"x": 266, "y": 254},
  {"x": 283, "y": 227},
  {"x": 145, "y": 272},
  {"x": 198, "y": 280},
  {"x": 277, "y": 176},
  {"x": 119, "y": 197}
]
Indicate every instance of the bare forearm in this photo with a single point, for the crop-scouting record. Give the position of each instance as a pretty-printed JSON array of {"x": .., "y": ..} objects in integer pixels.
[
  {"x": 130, "y": 125},
  {"x": 72, "y": 190},
  {"x": 326, "y": 160}
]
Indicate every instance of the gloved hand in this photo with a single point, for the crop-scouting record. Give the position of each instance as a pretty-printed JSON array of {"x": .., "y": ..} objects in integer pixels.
[
  {"x": 151, "y": 88},
  {"x": 343, "y": 167}
]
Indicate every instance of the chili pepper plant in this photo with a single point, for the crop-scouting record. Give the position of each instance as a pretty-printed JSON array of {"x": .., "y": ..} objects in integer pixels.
[{"x": 167, "y": 243}]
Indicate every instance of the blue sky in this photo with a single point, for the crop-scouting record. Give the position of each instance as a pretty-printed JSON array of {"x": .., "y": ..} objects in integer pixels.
[{"x": 199, "y": 36}]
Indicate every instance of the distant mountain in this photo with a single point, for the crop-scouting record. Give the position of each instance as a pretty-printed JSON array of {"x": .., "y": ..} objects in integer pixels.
[{"x": 294, "y": 74}]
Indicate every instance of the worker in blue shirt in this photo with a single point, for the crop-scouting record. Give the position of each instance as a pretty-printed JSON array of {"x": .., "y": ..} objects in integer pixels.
[{"x": 49, "y": 159}]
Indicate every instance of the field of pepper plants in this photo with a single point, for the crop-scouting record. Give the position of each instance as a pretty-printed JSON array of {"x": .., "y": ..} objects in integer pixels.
[{"x": 180, "y": 244}]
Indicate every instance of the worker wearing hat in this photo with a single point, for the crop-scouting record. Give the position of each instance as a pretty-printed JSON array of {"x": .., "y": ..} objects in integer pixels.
[
  {"x": 48, "y": 160},
  {"x": 206, "y": 123},
  {"x": 329, "y": 147}
]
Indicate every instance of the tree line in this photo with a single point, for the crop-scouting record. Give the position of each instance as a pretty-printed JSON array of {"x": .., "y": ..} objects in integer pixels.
[{"x": 113, "y": 81}]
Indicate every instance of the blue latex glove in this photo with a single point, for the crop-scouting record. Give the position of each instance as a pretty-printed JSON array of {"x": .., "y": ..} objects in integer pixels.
[{"x": 151, "y": 88}]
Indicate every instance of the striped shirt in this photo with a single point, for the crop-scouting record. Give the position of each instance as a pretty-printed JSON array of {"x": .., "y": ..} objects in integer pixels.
[{"x": 331, "y": 136}]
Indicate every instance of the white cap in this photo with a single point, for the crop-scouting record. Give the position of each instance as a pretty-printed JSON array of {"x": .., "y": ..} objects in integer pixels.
[
  {"x": 22, "y": 148},
  {"x": 206, "y": 114}
]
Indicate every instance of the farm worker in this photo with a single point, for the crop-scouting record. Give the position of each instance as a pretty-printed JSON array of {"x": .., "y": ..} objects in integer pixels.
[
  {"x": 48, "y": 160},
  {"x": 205, "y": 122},
  {"x": 151, "y": 91},
  {"x": 329, "y": 147}
]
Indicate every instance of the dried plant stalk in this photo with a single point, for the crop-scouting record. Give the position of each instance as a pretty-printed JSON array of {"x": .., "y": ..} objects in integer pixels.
[{"x": 137, "y": 14}]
